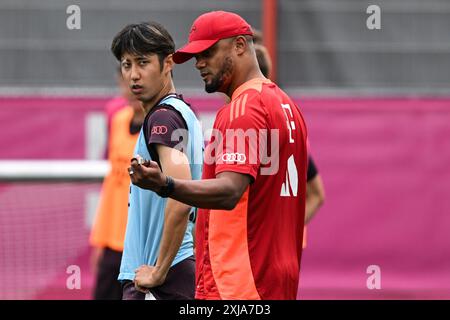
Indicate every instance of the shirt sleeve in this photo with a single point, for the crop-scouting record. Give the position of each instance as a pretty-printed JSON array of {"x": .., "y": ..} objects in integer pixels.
[
  {"x": 239, "y": 148},
  {"x": 162, "y": 128},
  {"x": 312, "y": 169}
]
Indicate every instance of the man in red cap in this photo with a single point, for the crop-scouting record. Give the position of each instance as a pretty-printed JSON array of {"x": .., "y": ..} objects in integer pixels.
[{"x": 252, "y": 193}]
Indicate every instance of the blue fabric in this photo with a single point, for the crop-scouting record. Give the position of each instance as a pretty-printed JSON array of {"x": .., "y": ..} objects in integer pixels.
[{"x": 146, "y": 209}]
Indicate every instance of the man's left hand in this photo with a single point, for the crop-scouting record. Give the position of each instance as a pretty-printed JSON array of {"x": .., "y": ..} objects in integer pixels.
[{"x": 148, "y": 277}]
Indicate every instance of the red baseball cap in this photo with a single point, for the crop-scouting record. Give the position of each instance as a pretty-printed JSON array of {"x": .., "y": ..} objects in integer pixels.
[{"x": 208, "y": 29}]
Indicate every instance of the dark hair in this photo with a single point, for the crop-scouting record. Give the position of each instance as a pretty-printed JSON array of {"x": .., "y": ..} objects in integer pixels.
[
  {"x": 142, "y": 39},
  {"x": 257, "y": 37},
  {"x": 262, "y": 58}
]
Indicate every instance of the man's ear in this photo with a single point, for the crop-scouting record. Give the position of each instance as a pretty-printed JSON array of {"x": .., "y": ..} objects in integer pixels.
[
  {"x": 168, "y": 63},
  {"x": 240, "y": 45}
]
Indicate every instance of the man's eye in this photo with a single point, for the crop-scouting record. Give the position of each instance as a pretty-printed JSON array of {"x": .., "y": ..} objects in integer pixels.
[
  {"x": 143, "y": 62},
  {"x": 125, "y": 65},
  {"x": 203, "y": 55}
]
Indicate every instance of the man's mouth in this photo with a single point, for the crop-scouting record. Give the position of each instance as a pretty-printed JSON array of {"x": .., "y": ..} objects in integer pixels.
[
  {"x": 204, "y": 75},
  {"x": 136, "y": 89}
]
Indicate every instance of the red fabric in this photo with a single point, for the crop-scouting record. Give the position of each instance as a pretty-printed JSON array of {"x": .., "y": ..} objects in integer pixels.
[
  {"x": 274, "y": 223},
  {"x": 209, "y": 28}
]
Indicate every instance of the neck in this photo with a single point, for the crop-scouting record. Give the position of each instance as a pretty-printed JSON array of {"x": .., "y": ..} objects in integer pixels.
[
  {"x": 167, "y": 88},
  {"x": 138, "y": 115},
  {"x": 242, "y": 77},
  {"x": 138, "y": 111}
]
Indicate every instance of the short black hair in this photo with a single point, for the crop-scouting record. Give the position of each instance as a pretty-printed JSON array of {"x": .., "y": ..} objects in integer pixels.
[
  {"x": 262, "y": 58},
  {"x": 142, "y": 39},
  {"x": 257, "y": 37}
]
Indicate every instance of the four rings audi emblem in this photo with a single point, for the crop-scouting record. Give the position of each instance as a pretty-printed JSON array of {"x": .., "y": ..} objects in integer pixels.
[
  {"x": 234, "y": 157},
  {"x": 159, "y": 129}
]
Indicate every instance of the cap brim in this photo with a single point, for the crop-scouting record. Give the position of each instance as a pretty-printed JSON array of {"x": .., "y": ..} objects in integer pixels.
[{"x": 185, "y": 53}]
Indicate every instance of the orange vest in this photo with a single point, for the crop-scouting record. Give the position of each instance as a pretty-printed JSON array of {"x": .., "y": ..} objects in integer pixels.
[
  {"x": 304, "y": 238},
  {"x": 111, "y": 219}
]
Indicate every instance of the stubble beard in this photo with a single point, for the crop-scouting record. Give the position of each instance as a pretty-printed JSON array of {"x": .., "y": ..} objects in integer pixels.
[{"x": 218, "y": 81}]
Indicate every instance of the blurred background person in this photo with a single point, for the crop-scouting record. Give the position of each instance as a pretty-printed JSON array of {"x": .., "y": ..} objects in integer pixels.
[
  {"x": 124, "y": 99},
  {"x": 125, "y": 118}
]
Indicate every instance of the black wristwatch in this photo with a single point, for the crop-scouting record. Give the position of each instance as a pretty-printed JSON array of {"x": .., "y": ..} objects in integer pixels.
[{"x": 167, "y": 190}]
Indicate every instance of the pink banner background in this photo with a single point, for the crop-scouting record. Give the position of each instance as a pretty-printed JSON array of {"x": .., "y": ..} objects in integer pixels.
[{"x": 385, "y": 166}]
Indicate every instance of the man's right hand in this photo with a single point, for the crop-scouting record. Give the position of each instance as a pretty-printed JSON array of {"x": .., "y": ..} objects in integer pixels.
[{"x": 146, "y": 175}]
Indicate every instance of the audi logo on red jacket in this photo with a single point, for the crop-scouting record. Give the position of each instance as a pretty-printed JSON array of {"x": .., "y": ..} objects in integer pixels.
[{"x": 234, "y": 157}]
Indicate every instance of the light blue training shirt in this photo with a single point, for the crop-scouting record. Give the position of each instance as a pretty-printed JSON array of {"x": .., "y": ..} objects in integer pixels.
[{"x": 146, "y": 209}]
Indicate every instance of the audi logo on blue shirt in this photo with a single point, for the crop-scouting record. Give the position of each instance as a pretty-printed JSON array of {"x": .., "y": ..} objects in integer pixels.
[
  {"x": 159, "y": 129},
  {"x": 234, "y": 157}
]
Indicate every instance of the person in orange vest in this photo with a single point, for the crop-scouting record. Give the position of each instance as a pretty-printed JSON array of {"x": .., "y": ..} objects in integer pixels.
[{"x": 108, "y": 233}]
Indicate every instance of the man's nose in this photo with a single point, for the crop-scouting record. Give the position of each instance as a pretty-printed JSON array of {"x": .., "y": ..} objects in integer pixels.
[
  {"x": 135, "y": 74},
  {"x": 200, "y": 63}
]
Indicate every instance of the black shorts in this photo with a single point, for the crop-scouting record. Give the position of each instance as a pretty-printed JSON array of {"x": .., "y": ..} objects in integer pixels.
[
  {"x": 179, "y": 284},
  {"x": 107, "y": 287}
]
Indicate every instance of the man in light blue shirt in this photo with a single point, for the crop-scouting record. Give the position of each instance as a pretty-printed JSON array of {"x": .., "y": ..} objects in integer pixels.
[{"x": 158, "y": 259}]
